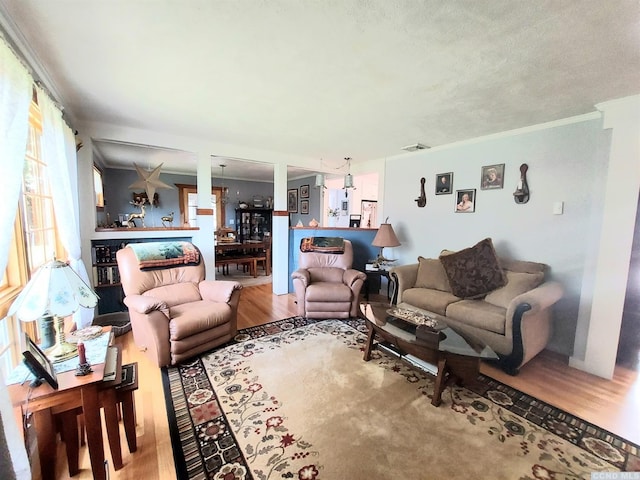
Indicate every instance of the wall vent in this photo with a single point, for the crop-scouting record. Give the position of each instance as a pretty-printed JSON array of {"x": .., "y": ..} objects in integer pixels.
[{"x": 414, "y": 147}]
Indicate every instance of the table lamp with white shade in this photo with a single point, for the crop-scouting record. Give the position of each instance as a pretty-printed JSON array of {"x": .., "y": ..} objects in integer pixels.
[
  {"x": 385, "y": 237},
  {"x": 55, "y": 290}
]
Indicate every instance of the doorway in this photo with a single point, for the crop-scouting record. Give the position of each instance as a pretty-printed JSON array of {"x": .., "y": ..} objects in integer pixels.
[{"x": 629, "y": 342}]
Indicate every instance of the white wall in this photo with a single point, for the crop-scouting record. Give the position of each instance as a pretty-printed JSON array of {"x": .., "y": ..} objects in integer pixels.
[{"x": 566, "y": 164}]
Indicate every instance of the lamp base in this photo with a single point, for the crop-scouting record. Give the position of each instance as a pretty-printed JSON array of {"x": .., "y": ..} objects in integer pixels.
[
  {"x": 382, "y": 262},
  {"x": 61, "y": 352}
]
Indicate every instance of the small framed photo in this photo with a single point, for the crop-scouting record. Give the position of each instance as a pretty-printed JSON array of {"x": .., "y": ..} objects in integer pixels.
[
  {"x": 304, "y": 206},
  {"x": 292, "y": 200},
  {"x": 444, "y": 183},
  {"x": 345, "y": 207},
  {"x": 466, "y": 201},
  {"x": 37, "y": 362},
  {"x": 492, "y": 177},
  {"x": 304, "y": 191}
]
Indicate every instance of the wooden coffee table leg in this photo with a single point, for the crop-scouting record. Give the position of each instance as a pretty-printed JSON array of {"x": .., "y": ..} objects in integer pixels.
[
  {"x": 369, "y": 346},
  {"x": 441, "y": 382}
]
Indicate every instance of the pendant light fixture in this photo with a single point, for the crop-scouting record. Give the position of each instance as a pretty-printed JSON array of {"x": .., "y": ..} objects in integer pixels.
[
  {"x": 224, "y": 197},
  {"x": 348, "y": 178},
  {"x": 320, "y": 181}
]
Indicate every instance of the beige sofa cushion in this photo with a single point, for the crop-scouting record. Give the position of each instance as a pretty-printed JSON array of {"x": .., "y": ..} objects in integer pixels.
[
  {"x": 517, "y": 284},
  {"x": 478, "y": 313},
  {"x": 522, "y": 266},
  {"x": 475, "y": 271},
  {"x": 431, "y": 274},
  {"x": 429, "y": 299}
]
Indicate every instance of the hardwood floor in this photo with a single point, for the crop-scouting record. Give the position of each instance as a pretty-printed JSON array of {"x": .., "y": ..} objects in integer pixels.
[{"x": 613, "y": 405}]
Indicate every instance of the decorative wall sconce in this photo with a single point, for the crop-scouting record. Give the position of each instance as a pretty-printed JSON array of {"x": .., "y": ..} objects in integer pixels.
[
  {"x": 422, "y": 199},
  {"x": 521, "y": 195}
]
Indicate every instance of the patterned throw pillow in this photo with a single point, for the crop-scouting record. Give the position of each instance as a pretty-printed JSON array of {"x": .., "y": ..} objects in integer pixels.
[{"x": 474, "y": 271}]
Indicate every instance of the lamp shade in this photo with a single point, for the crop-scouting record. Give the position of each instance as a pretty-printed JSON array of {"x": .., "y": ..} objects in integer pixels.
[
  {"x": 385, "y": 237},
  {"x": 348, "y": 181},
  {"x": 55, "y": 289}
]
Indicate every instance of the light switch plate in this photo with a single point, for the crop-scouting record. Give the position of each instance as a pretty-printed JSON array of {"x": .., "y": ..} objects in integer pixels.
[{"x": 558, "y": 208}]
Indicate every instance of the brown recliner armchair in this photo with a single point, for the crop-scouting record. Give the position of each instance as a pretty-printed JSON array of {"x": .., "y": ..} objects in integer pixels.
[
  {"x": 326, "y": 286},
  {"x": 175, "y": 313}
]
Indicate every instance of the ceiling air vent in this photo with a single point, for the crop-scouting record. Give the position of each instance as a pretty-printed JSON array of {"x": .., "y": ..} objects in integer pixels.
[{"x": 414, "y": 147}]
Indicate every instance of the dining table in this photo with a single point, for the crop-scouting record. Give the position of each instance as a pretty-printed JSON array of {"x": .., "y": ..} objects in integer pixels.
[{"x": 248, "y": 252}]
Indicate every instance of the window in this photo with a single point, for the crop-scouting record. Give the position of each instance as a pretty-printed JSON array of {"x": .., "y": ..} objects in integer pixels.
[
  {"x": 37, "y": 203},
  {"x": 188, "y": 199},
  {"x": 34, "y": 243}
]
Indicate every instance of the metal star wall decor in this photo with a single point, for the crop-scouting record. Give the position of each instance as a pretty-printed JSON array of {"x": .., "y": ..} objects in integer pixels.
[{"x": 150, "y": 181}]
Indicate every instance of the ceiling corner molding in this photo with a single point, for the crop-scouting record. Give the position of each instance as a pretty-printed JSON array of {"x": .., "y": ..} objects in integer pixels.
[
  {"x": 14, "y": 35},
  {"x": 528, "y": 129}
]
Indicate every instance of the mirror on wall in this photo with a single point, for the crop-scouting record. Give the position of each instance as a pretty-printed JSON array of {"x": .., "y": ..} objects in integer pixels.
[{"x": 98, "y": 187}]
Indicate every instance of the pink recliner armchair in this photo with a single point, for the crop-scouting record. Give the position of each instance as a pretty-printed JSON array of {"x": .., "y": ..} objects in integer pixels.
[
  {"x": 326, "y": 286},
  {"x": 175, "y": 313}
]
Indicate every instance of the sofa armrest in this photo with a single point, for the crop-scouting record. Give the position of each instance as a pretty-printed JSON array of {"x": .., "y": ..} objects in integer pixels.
[
  {"x": 540, "y": 298},
  {"x": 351, "y": 275},
  {"x": 528, "y": 324},
  {"x": 145, "y": 304},
  {"x": 303, "y": 275},
  {"x": 405, "y": 277},
  {"x": 218, "y": 290}
]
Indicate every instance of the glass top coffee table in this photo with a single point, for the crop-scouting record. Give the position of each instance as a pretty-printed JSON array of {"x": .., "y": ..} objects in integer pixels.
[{"x": 425, "y": 341}]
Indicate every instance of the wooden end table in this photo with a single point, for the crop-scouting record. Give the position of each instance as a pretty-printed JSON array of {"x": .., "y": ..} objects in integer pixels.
[{"x": 447, "y": 355}]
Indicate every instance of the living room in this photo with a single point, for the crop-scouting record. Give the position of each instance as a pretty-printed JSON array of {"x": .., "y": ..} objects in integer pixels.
[{"x": 582, "y": 162}]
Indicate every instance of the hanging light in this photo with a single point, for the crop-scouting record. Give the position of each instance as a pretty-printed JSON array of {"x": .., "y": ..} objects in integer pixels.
[
  {"x": 224, "y": 197},
  {"x": 320, "y": 181},
  {"x": 348, "y": 178}
]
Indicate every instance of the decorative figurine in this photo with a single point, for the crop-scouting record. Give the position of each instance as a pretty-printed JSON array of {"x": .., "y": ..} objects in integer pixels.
[
  {"x": 168, "y": 219},
  {"x": 130, "y": 218}
]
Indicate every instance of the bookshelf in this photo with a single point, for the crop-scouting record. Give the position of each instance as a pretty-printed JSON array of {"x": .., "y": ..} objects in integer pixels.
[{"x": 105, "y": 273}]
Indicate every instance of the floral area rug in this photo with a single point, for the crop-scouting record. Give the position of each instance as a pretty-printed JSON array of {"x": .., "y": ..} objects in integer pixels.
[{"x": 294, "y": 400}]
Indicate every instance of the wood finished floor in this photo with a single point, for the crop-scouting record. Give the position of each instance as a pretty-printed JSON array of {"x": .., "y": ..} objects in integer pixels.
[{"x": 610, "y": 404}]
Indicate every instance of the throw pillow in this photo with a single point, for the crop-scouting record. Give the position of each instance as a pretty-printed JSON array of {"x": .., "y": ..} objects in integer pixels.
[
  {"x": 517, "y": 284},
  {"x": 475, "y": 271},
  {"x": 431, "y": 275}
]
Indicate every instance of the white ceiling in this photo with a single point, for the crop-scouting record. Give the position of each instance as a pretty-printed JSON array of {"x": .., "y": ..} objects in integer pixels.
[{"x": 326, "y": 79}]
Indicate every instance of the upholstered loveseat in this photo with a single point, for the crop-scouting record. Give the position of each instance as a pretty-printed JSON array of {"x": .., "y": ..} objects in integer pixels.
[{"x": 505, "y": 303}]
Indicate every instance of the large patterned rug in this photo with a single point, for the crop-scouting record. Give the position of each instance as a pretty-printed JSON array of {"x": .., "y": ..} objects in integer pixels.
[{"x": 294, "y": 400}]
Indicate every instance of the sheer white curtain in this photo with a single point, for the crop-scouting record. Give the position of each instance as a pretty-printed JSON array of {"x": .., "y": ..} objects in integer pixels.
[
  {"x": 58, "y": 151},
  {"x": 15, "y": 98}
]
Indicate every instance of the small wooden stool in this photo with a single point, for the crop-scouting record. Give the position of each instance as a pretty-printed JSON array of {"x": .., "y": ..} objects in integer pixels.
[{"x": 114, "y": 400}]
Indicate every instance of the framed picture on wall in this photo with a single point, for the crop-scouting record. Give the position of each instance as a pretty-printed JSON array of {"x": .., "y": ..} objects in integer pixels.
[
  {"x": 492, "y": 177},
  {"x": 304, "y": 191},
  {"x": 304, "y": 206},
  {"x": 466, "y": 201},
  {"x": 292, "y": 200},
  {"x": 369, "y": 212},
  {"x": 444, "y": 183}
]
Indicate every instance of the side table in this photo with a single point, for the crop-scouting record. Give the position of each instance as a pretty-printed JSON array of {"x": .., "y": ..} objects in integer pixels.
[{"x": 377, "y": 274}]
